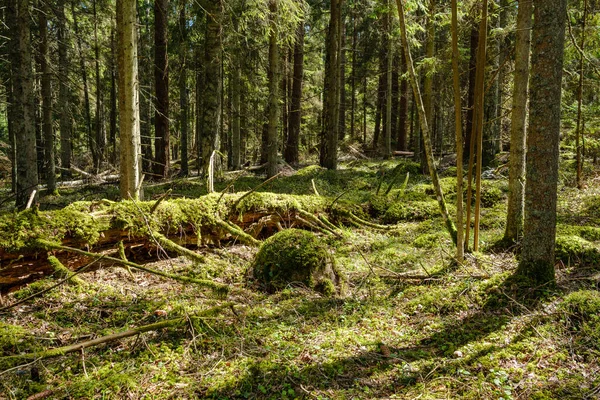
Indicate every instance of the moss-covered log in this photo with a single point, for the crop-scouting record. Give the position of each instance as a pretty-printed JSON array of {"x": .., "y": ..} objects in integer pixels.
[{"x": 171, "y": 224}]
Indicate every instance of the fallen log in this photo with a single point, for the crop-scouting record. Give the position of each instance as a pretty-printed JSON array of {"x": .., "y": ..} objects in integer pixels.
[{"x": 173, "y": 225}]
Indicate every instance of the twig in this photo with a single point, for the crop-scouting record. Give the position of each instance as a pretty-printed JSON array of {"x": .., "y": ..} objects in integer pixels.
[
  {"x": 31, "y": 197},
  {"x": 53, "y": 286},
  {"x": 314, "y": 187},
  {"x": 160, "y": 199}
]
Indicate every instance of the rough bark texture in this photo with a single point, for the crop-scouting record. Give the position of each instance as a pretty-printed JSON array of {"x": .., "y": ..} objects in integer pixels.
[
  {"x": 129, "y": 111},
  {"x": 161, "y": 79},
  {"x": 65, "y": 124},
  {"x": 537, "y": 257},
  {"x": 387, "y": 141},
  {"x": 183, "y": 92},
  {"x": 211, "y": 88},
  {"x": 24, "y": 124},
  {"x": 99, "y": 129},
  {"x": 518, "y": 124},
  {"x": 401, "y": 143},
  {"x": 145, "y": 55},
  {"x": 330, "y": 134},
  {"x": 273, "y": 103},
  {"x": 293, "y": 139},
  {"x": 47, "y": 102}
]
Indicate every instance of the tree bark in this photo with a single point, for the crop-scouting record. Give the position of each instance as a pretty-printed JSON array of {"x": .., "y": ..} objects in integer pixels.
[
  {"x": 65, "y": 123},
  {"x": 145, "y": 76},
  {"x": 330, "y": 133},
  {"x": 580, "y": 124},
  {"x": 211, "y": 88},
  {"x": 342, "y": 83},
  {"x": 129, "y": 111},
  {"x": 387, "y": 142},
  {"x": 183, "y": 91},
  {"x": 24, "y": 123},
  {"x": 47, "y": 101},
  {"x": 161, "y": 79},
  {"x": 293, "y": 140},
  {"x": 518, "y": 124},
  {"x": 100, "y": 131},
  {"x": 537, "y": 256},
  {"x": 273, "y": 102}
]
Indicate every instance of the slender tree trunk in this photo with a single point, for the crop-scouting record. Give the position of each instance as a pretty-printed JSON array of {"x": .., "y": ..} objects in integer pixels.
[
  {"x": 183, "y": 91},
  {"x": 161, "y": 79},
  {"x": 236, "y": 139},
  {"x": 387, "y": 142},
  {"x": 24, "y": 124},
  {"x": 342, "y": 83},
  {"x": 113, "y": 99},
  {"x": 293, "y": 139},
  {"x": 579, "y": 128},
  {"x": 86, "y": 92},
  {"x": 273, "y": 104},
  {"x": 145, "y": 76},
  {"x": 212, "y": 84},
  {"x": 353, "y": 75},
  {"x": 129, "y": 111},
  {"x": 460, "y": 247},
  {"x": 100, "y": 131},
  {"x": 518, "y": 125},
  {"x": 424, "y": 125},
  {"x": 403, "y": 112},
  {"x": 428, "y": 101},
  {"x": 330, "y": 133},
  {"x": 491, "y": 131},
  {"x": 47, "y": 102},
  {"x": 65, "y": 124},
  {"x": 474, "y": 43},
  {"x": 537, "y": 256}
]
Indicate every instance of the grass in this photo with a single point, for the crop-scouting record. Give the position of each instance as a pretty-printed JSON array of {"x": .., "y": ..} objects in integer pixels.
[{"x": 455, "y": 332}]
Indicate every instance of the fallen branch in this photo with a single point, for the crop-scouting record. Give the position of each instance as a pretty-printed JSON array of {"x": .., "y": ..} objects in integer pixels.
[
  {"x": 217, "y": 287},
  {"x": 11, "y": 360}
]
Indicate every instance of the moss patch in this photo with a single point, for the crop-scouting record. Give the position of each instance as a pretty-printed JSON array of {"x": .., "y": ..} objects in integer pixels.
[
  {"x": 576, "y": 250},
  {"x": 296, "y": 256}
]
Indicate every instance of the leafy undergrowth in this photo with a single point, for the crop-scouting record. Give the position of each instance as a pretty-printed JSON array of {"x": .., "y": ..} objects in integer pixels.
[{"x": 411, "y": 324}]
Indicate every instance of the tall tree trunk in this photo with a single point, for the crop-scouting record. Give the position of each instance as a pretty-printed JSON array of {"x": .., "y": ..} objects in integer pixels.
[
  {"x": 145, "y": 76},
  {"x": 387, "y": 142},
  {"x": 183, "y": 91},
  {"x": 342, "y": 83},
  {"x": 161, "y": 79},
  {"x": 330, "y": 133},
  {"x": 428, "y": 101},
  {"x": 236, "y": 139},
  {"x": 491, "y": 131},
  {"x": 460, "y": 247},
  {"x": 474, "y": 43},
  {"x": 293, "y": 139},
  {"x": 403, "y": 112},
  {"x": 129, "y": 112},
  {"x": 24, "y": 124},
  {"x": 100, "y": 131},
  {"x": 113, "y": 99},
  {"x": 353, "y": 75},
  {"x": 47, "y": 102},
  {"x": 212, "y": 87},
  {"x": 86, "y": 92},
  {"x": 66, "y": 123},
  {"x": 518, "y": 124},
  {"x": 580, "y": 125},
  {"x": 548, "y": 36},
  {"x": 273, "y": 104},
  {"x": 424, "y": 125}
]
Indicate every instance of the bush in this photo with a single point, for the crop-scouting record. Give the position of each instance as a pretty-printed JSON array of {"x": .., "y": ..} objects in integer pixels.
[{"x": 296, "y": 256}]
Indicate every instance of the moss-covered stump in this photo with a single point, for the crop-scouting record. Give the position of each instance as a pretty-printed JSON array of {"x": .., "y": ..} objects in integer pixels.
[{"x": 295, "y": 256}]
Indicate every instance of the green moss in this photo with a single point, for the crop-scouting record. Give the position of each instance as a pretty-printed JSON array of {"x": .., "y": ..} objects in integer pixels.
[
  {"x": 576, "y": 250},
  {"x": 582, "y": 312},
  {"x": 411, "y": 211},
  {"x": 427, "y": 241},
  {"x": 590, "y": 233},
  {"x": 298, "y": 256}
]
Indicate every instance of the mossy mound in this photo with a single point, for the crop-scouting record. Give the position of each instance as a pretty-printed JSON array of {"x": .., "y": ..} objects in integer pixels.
[
  {"x": 296, "y": 256},
  {"x": 411, "y": 211},
  {"x": 575, "y": 250},
  {"x": 582, "y": 312}
]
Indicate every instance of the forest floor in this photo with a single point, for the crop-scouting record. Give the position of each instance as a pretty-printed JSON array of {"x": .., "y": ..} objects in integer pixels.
[{"x": 410, "y": 323}]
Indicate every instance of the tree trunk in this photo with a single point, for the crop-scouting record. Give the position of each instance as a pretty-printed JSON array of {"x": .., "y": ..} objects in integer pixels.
[
  {"x": 518, "y": 124},
  {"x": 161, "y": 79},
  {"x": 491, "y": 129},
  {"x": 460, "y": 247},
  {"x": 424, "y": 125},
  {"x": 129, "y": 111},
  {"x": 580, "y": 125},
  {"x": 100, "y": 131},
  {"x": 342, "y": 83},
  {"x": 47, "y": 102},
  {"x": 474, "y": 43},
  {"x": 387, "y": 142},
  {"x": 211, "y": 88},
  {"x": 92, "y": 145},
  {"x": 183, "y": 92},
  {"x": 24, "y": 124},
  {"x": 145, "y": 76},
  {"x": 428, "y": 101},
  {"x": 330, "y": 133},
  {"x": 537, "y": 256},
  {"x": 66, "y": 123},
  {"x": 293, "y": 139},
  {"x": 403, "y": 112},
  {"x": 353, "y": 75},
  {"x": 113, "y": 99},
  {"x": 273, "y": 102}
]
